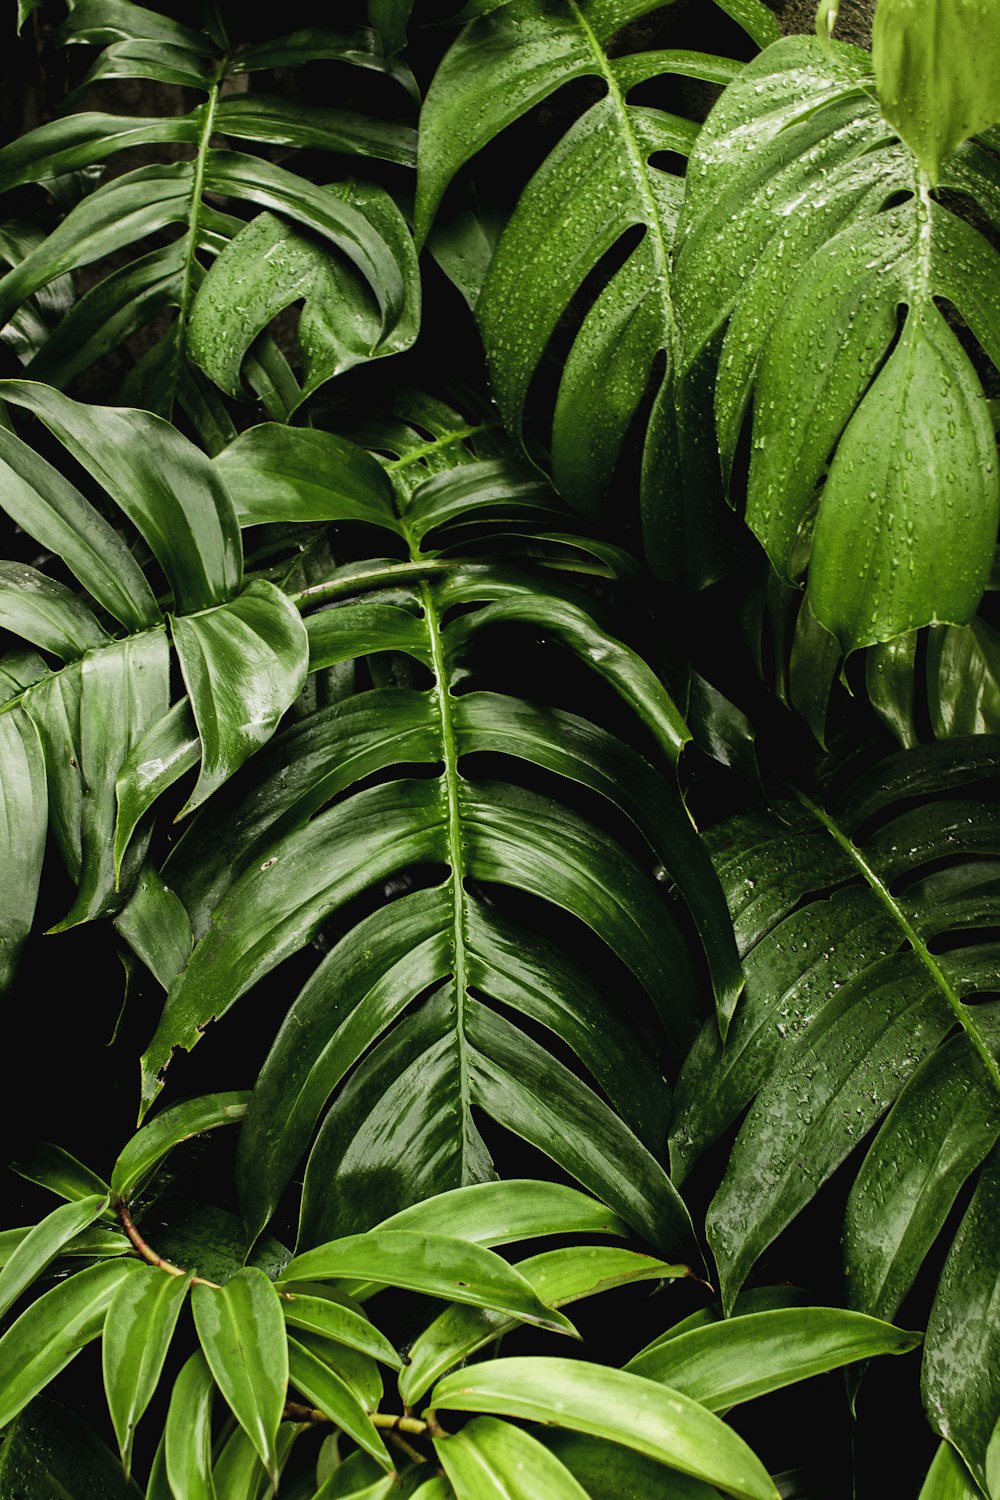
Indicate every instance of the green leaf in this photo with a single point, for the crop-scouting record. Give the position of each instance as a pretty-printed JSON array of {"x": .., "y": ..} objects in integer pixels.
[
  {"x": 611, "y": 1404},
  {"x": 53, "y": 1168},
  {"x": 148, "y": 1147},
  {"x": 53, "y": 511},
  {"x": 43, "y": 1243},
  {"x": 326, "y": 1390},
  {"x": 439, "y": 1266},
  {"x": 558, "y": 1276},
  {"x": 726, "y": 1363},
  {"x": 242, "y": 1333},
  {"x": 497, "y": 1213},
  {"x": 52, "y": 1330},
  {"x": 137, "y": 1333},
  {"x": 188, "y": 1432},
  {"x": 806, "y": 226},
  {"x": 936, "y": 66},
  {"x": 169, "y": 747},
  {"x": 269, "y": 266},
  {"x": 46, "y": 613},
  {"x": 961, "y": 1371},
  {"x": 870, "y": 572},
  {"x": 156, "y": 926},
  {"x": 23, "y": 824},
  {"x": 847, "y": 995},
  {"x": 163, "y": 483},
  {"x": 48, "y": 1453},
  {"x": 122, "y": 690},
  {"x": 609, "y": 1472},
  {"x": 490, "y": 1458},
  {"x": 333, "y": 1321},
  {"x": 277, "y": 473},
  {"x": 948, "y": 1478},
  {"x": 244, "y": 664}
]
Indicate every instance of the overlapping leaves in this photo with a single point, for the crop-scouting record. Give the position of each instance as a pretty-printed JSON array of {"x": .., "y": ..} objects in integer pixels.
[
  {"x": 869, "y": 932},
  {"x": 301, "y": 1350},
  {"x": 436, "y": 1003},
  {"x": 597, "y": 185},
  {"x": 810, "y": 237},
  {"x": 364, "y": 291},
  {"x": 69, "y": 725}
]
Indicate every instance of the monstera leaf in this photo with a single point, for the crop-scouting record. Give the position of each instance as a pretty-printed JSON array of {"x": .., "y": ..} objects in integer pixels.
[
  {"x": 868, "y": 927},
  {"x": 441, "y": 1000},
  {"x": 171, "y": 217},
  {"x": 69, "y": 725},
  {"x": 600, "y": 183},
  {"x": 811, "y": 239}
]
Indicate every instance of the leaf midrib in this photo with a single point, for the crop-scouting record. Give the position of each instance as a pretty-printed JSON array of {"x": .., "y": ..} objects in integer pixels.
[{"x": 909, "y": 931}]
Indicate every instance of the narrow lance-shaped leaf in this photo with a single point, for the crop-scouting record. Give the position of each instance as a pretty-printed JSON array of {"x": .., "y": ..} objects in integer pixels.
[
  {"x": 53, "y": 1330},
  {"x": 187, "y": 1448},
  {"x": 611, "y": 1404},
  {"x": 242, "y": 1333},
  {"x": 148, "y": 1147},
  {"x": 494, "y": 1460},
  {"x": 726, "y": 1363},
  {"x": 457, "y": 1270},
  {"x": 23, "y": 825},
  {"x": 43, "y": 1243},
  {"x": 137, "y": 1334}
]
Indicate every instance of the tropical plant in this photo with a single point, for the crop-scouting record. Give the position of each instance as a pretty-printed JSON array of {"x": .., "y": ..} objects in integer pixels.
[{"x": 553, "y": 807}]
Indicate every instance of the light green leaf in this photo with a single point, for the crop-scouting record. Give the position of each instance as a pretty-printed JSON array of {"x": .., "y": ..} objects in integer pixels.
[
  {"x": 244, "y": 664},
  {"x": 948, "y": 1478},
  {"x": 137, "y": 1333},
  {"x": 614, "y": 1405},
  {"x": 726, "y": 1363},
  {"x": 331, "y": 1394},
  {"x": 188, "y": 1434},
  {"x": 148, "y": 1147},
  {"x": 43, "y": 1243},
  {"x": 53, "y": 510},
  {"x": 53, "y": 1168},
  {"x": 937, "y": 64},
  {"x": 242, "y": 1333},
  {"x": 494, "y": 1460},
  {"x": 558, "y": 1276},
  {"x": 46, "y": 613},
  {"x": 610, "y": 1472},
  {"x": 52, "y": 1330},
  {"x": 439, "y": 1266},
  {"x": 332, "y": 1320}
]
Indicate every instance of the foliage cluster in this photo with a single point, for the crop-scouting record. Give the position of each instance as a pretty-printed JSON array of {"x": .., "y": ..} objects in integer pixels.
[{"x": 555, "y": 791}]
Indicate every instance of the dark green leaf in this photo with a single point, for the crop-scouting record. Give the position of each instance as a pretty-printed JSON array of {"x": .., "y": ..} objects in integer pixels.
[
  {"x": 277, "y": 473},
  {"x": 244, "y": 664},
  {"x": 48, "y": 1453},
  {"x": 163, "y": 483},
  {"x": 45, "y": 612},
  {"x": 332, "y": 1395},
  {"x": 22, "y": 834}
]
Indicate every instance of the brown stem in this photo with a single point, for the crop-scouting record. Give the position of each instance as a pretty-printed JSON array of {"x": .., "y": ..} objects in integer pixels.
[{"x": 148, "y": 1253}]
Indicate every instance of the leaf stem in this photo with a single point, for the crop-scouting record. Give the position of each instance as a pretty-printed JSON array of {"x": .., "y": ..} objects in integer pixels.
[{"x": 149, "y": 1254}]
